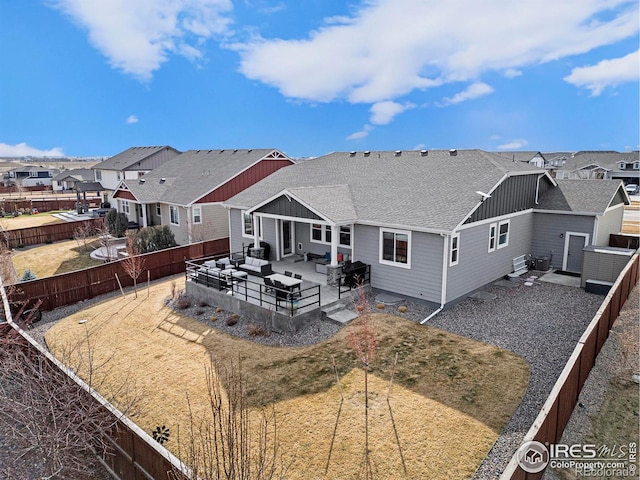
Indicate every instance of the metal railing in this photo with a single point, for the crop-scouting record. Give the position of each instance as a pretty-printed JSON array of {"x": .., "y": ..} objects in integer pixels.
[
  {"x": 293, "y": 301},
  {"x": 350, "y": 281}
]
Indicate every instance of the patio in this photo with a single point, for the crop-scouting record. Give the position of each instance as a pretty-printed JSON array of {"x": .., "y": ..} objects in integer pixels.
[{"x": 247, "y": 294}]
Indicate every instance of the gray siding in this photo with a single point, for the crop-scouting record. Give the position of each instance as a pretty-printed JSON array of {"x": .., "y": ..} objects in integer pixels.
[
  {"x": 235, "y": 230},
  {"x": 477, "y": 266},
  {"x": 288, "y": 208},
  {"x": 610, "y": 222},
  {"x": 514, "y": 194},
  {"x": 155, "y": 160},
  {"x": 422, "y": 281},
  {"x": 547, "y": 231},
  {"x": 604, "y": 265},
  {"x": 303, "y": 235}
]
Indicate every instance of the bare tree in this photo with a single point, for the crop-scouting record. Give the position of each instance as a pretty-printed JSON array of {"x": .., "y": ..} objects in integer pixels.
[
  {"x": 54, "y": 425},
  {"x": 83, "y": 233},
  {"x": 134, "y": 263},
  {"x": 225, "y": 443},
  {"x": 107, "y": 242},
  {"x": 8, "y": 273},
  {"x": 363, "y": 338}
]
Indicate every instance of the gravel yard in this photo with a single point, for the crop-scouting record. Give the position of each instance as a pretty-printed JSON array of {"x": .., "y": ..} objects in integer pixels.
[{"x": 542, "y": 323}]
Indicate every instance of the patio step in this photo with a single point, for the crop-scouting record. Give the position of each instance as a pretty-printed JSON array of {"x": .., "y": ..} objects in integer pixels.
[{"x": 338, "y": 313}]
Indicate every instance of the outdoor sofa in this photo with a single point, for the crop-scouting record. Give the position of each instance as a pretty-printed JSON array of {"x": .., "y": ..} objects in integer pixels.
[{"x": 256, "y": 266}]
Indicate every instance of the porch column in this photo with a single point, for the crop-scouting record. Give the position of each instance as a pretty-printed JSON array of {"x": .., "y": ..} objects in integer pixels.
[
  {"x": 143, "y": 207},
  {"x": 334, "y": 245},
  {"x": 256, "y": 233}
]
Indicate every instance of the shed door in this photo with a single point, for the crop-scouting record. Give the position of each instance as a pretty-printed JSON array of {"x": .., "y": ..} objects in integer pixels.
[{"x": 575, "y": 253}]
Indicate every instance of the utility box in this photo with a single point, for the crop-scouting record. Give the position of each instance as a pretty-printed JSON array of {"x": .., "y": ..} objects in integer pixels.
[
  {"x": 603, "y": 264},
  {"x": 542, "y": 263}
]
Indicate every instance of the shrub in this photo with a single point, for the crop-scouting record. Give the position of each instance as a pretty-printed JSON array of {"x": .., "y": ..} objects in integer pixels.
[
  {"x": 203, "y": 304},
  {"x": 232, "y": 320},
  {"x": 219, "y": 310},
  {"x": 28, "y": 275},
  {"x": 199, "y": 311},
  {"x": 183, "y": 302},
  {"x": 257, "y": 331},
  {"x": 360, "y": 308},
  {"x": 380, "y": 306},
  {"x": 402, "y": 308},
  {"x": 117, "y": 223},
  {"x": 213, "y": 319},
  {"x": 152, "y": 239}
]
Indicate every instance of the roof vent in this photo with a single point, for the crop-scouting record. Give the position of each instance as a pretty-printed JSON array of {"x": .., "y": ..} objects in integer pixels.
[
  {"x": 221, "y": 151},
  {"x": 367, "y": 153},
  {"x": 352, "y": 153},
  {"x": 424, "y": 153},
  {"x": 235, "y": 151},
  {"x": 162, "y": 180},
  {"x": 453, "y": 152},
  {"x": 398, "y": 153},
  {"x": 142, "y": 180}
]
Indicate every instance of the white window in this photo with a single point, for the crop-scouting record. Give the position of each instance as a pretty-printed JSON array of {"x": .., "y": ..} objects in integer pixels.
[
  {"x": 247, "y": 225},
  {"x": 636, "y": 165},
  {"x": 158, "y": 210},
  {"x": 98, "y": 175},
  {"x": 503, "y": 233},
  {"x": 322, "y": 234},
  {"x": 395, "y": 247},
  {"x": 33, "y": 174},
  {"x": 125, "y": 207},
  {"x": 197, "y": 214},
  {"x": 493, "y": 229},
  {"x": 455, "y": 250},
  {"x": 174, "y": 216}
]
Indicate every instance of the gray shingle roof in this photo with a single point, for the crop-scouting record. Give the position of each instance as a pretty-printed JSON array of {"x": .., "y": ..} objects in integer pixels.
[
  {"x": 333, "y": 201},
  {"x": 586, "y": 196},
  {"x": 79, "y": 174},
  {"x": 521, "y": 156},
  {"x": 433, "y": 192},
  {"x": 129, "y": 157},
  {"x": 608, "y": 160},
  {"x": 192, "y": 174}
]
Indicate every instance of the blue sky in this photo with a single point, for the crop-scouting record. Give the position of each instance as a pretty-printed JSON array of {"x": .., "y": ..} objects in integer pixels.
[{"x": 95, "y": 77}]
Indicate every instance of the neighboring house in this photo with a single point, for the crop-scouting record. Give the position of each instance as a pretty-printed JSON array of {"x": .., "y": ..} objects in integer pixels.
[
  {"x": 30, "y": 176},
  {"x": 131, "y": 164},
  {"x": 535, "y": 159},
  {"x": 67, "y": 179},
  {"x": 601, "y": 165},
  {"x": 187, "y": 191},
  {"x": 434, "y": 225}
]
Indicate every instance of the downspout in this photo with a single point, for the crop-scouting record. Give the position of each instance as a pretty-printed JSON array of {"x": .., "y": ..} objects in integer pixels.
[
  {"x": 538, "y": 188},
  {"x": 443, "y": 290},
  {"x": 189, "y": 219}
]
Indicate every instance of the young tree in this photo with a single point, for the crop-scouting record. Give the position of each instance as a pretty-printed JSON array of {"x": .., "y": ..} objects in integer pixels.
[
  {"x": 8, "y": 273},
  {"x": 117, "y": 222},
  {"x": 363, "y": 338},
  {"x": 225, "y": 443},
  {"x": 134, "y": 263},
  {"x": 28, "y": 275},
  {"x": 82, "y": 234}
]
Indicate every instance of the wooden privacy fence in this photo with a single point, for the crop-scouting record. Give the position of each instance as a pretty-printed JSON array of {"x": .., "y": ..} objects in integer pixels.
[
  {"x": 73, "y": 287},
  {"x": 8, "y": 205},
  {"x": 48, "y": 233},
  {"x": 557, "y": 410}
]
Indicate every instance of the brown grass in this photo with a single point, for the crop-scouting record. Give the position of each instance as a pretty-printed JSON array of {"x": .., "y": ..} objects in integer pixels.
[
  {"x": 47, "y": 260},
  {"x": 450, "y": 399},
  {"x": 27, "y": 221}
]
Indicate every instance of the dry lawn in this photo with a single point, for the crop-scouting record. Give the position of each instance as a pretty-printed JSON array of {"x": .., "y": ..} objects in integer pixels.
[
  {"x": 27, "y": 221},
  {"x": 450, "y": 398},
  {"x": 51, "y": 259}
]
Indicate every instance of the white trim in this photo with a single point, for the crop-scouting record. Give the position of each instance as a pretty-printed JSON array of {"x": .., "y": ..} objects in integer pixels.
[
  {"x": 324, "y": 241},
  {"x": 158, "y": 209},
  {"x": 445, "y": 271},
  {"x": 498, "y": 234},
  {"x": 393, "y": 263},
  {"x": 454, "y": 238},
  {"x": 493, "y": 237},
  {"x": 193, "y": 214},
  {"x": 244, "y": 233},
  {"x": 619, "y": 205},
  {"x": 290, "y": 195},
  {"x": 565, "y": 255},
  {"x": 177, "y": 210},
  {"x": 495, "y": 219},
  {"x": 564, "y": 212}
]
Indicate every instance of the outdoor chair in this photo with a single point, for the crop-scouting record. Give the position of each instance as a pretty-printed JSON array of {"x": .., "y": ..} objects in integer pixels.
[
  {"x": 298, "y": 276},
  {"x": 268, "y": 285},
  {"x": 288, "y": 273}
]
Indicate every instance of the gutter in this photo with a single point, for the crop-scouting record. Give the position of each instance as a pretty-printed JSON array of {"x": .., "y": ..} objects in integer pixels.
[{"x": 443, "y": 291}]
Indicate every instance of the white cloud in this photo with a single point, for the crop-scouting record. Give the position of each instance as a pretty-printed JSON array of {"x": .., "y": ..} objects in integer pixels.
[
  {"x": 383, "y": 113},
  {"x": 512, "y": 73},
  {"x": 607, "y": 73},
  {"x": 132, "y": 119},
  {"x": 475, "y": 90},
  {"x": 514, "y": 145},
  {"x": 389, "y": 48},
  {"x": 24, "y": 150},
  {"x": 360, "y": 134},
  {"x": 138, "y": 36}
]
